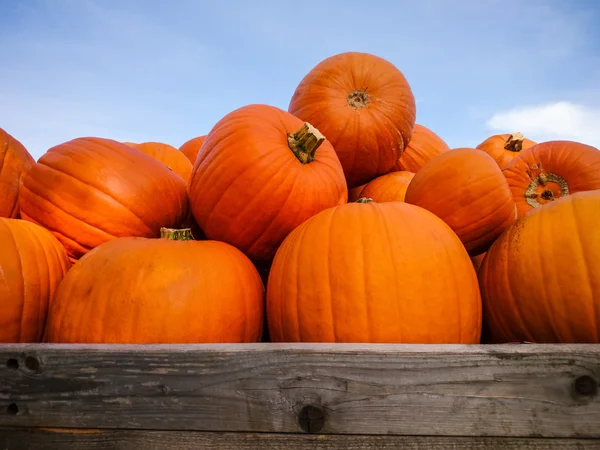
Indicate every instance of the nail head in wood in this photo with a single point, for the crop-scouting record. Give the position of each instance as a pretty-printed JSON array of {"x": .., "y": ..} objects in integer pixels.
[
  {"x": 311, "y": 419},
  {"x": 12, "y": 409},
  {"x": 33, "y": 363},
  {"x": 12, "y": 363}
]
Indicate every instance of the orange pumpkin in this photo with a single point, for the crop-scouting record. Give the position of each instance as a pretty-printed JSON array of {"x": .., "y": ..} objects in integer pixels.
[
  {"x": 90, "y": 190},
  {"x": 364, "y": 106},
  {"x": 388, "y": 188},
  {"x": 261, "y": 172},
  {"x": 423, "y": 146},
  {"x": 15, "y": 160},
  {"x": 191, "y": 148},
  {"x": 32, "y": 264},
  {"x": 540, "y": 281},
  {"x": 159, "y": 291},
  {"x": 465, "y": 188},
  {"x": 504, "y": 147},
  {"x": 477, "y": 260},
  {"x": 379, "y": 273},
  {"x": 551, "y": 170},
  {"x": 168, "y": 155},
  {"x": 354, "y": 193}
]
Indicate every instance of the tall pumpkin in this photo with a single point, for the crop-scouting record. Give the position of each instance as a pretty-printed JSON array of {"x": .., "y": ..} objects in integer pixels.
[
  {"x": 15, "y": 161},
  {"x": 505, "y": 147},
  {"x": 551, "y": 170},
  {"x": 388, "y": 188},
  {"x": 91, "y": 190},
  {"x": 168, "y": 155},
  {"x": 191, "y": 148},
  {"x": 465, "y": 188},
  {"x": 159, "y": 291},
  {"x": 378, "y": 273},
  {"x": 423, "y": 146},
  {"x": 260, "y": 173},
  {"x": 32, "y": 264},
  {"x": 540, "y": 281},
  {"x": 364, "y": 106}
]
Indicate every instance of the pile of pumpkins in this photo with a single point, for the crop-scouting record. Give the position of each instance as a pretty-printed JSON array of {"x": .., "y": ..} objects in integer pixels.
[{"x": 338, "y": 220}]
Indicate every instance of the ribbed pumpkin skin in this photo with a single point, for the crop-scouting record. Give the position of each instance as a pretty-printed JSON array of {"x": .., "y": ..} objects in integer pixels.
[
  {"x": 32, "y": 264},
  {"x": 152, "y": 291},
  {"x": 15, "y": 160},
  {"x": 191, "y": 148},
  {"x": 249, "y": 189},
  {"x": 90, "y": 190},
  {"x": 379, "y": 273},
  {"x": 368, "y": 138},
  {"x": 494, "y": 146},
  {"x": 168, "y": 155},
  {"x": 577, "y": 164},
  {"x": 540, "y": 281},
  {"x": 388, "y": 188},
  {"x": 466, "y": 189},
  {"x": 423, "y": 146},
  {"x": 354, "y": 193}
]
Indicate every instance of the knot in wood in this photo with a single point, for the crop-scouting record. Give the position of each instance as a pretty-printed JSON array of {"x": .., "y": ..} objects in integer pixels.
[
  {"x": 311, "y": 419},
  {"x": 585, "y": 386}
]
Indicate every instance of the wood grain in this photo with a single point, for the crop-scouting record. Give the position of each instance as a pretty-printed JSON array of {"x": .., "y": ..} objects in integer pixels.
[
  {"x": 427, "y": 390},
  {"x": 39, "y": 439}
]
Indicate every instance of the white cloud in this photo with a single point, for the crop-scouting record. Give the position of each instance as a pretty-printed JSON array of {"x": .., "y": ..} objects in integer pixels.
[{"x": 562, "y": 120}]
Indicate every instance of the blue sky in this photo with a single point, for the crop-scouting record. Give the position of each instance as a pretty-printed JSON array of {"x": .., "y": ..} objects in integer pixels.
[{"x": 141, "y": 70}]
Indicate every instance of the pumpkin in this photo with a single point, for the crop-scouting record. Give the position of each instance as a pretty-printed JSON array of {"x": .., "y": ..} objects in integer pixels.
[
  {"x": 354, "y": 193},
  {"x": 15, "y": 160},
  {"x": 90, "y": 190},
  {"x": 260, "y": 173},
  {"x": 477, "y": 260},
  {"x": 388, "y": 188},
  {"x": 465, "y": 188},
  {"x": 423, "y": 146},
  {"x": 504, "y": 147},
  {"x": 168, "y": 155},
  {"x": 376, "y": 273},
  {"x": 172, "y": 290},
  {"x": 551, "y": 170},
  {"x": 540, "y": 281},
  {"x": 32, "y": 264},
  {"x": 191, "y": 148},
  {"x": 364, "y": 106}
]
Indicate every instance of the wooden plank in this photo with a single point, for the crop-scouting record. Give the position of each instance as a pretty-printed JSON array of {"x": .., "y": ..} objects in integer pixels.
[
  {"x": 514, "y": 390},
  {"x": 61, "y": 439}
]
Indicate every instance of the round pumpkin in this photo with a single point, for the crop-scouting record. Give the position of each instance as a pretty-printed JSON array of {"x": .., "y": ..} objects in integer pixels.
[
  {"x": 373, "y": 272},
  {"x": 90, "y": 190},
  {"x": 465, "y": 188},
  {"x": 260, "y": 173},
  {"x": 551, "y": 170},
  {"x": 354, "y": 193},
  {"x": 504, "y": 147},
  {"x": 191, "y": 148},
  {"x": 159, "y": 291},
  {"x": 32, "y": 264},
  {"x": 423, "y": 146},
  {"x": 168, "y": 155},
  {"x": 540, "y": 281},
  {"x": 15, "y": 161},
  {"x": 388, "y": 188},
  {"x": 364, "y": 106}
]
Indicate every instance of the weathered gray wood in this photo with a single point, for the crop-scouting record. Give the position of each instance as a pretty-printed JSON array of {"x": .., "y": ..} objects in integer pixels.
[
  {"x": 56, "y": 439},
  {"x": 514, "y": 390}
]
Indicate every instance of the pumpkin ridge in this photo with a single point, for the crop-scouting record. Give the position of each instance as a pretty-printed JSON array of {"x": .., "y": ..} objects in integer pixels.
[{"x": 20, "y": 270}]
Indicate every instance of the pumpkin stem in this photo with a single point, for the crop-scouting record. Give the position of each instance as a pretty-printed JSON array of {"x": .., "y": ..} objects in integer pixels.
[
  {"x": 514, "y": 143},
  {"x": 185, "y": 234},
  {"x": 545, "y": 188},
  {"x": 358, "y": 99},
  {"x": 364, "y": 200},
  {"x": 305, "y": 142}
]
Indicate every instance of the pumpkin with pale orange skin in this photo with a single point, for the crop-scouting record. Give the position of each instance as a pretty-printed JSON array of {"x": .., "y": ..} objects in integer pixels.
[
  {"x": 423, "y": 146},
  {"x": 364, "y": 106},
  {"x": 466, "y": 189},
  {"x": 172, "y": 290},
  {"x": 505, "y": 147},
  {"x": 32, "y": 264},
  {"x": 191, "y": 148},
  {"x": 388, "y": 188},
  {"x": 376, "y": 273},
  {"x": 261, "y": 172},
  {"x": 551, "y": 170},
  {"x": 15, "y": 161},
  {"x": 168, "y": 155},
  {"x": 540, "y": 281}
]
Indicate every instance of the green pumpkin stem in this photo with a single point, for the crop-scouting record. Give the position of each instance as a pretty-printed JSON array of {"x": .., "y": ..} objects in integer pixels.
[
  {"x": 305, "y": 142},
  {"x": 174, "y": 234}
]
